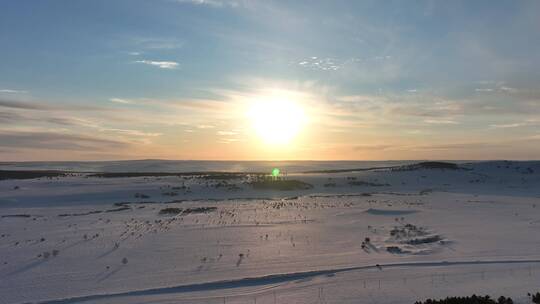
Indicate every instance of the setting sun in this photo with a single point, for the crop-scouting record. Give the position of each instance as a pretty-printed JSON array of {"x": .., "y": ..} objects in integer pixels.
[{"x": 276, "y": 120}]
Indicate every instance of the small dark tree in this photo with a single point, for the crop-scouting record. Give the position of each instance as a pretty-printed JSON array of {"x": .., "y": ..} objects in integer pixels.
[
  {"x": 536, "y": 298},
  {"x": 504, "y": 300}
]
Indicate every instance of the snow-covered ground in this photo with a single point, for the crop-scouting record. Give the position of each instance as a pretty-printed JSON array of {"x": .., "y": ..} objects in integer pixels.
[{"x": 376, "y": 236}]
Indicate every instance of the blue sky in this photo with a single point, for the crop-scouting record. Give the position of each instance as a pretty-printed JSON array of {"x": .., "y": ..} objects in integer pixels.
[{"x": 172, "y": 79}]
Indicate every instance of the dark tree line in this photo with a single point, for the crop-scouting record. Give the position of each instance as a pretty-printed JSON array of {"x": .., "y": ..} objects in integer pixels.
[{"x": 474, "y": 299}]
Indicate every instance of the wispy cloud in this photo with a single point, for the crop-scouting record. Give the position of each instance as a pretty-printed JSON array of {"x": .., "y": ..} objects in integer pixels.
[
  {"x": 226, "y": 133},
  {"x": 57, "y": 141},
  {"x": 120, "y": 100},
  {"x": 507, "y": 89},
  {"x": 170, "y": 65},
  {"x": 203, "y": 105},
  {"x": 155, "y": 43},
  {"x": 206, "y": 126},
  {"x": 131, "y": 132},
  {"x": 511, "y": 125},
  {"x": 456, "y": 146},
  {"x": 23, "y": 118},
  {"x": 373, "y": 147},
  {"x": 228, "y": 140},
  {"x": 441, "y": 121},
  {"x": 525, "y": 123},
  {"x": 212, "y": 3},
  {"x": 47, "y": 105},
  {"x": 10, "y": 91},
  {"x": 323, "y": 64},
  {"x": 23, "y": 105}
]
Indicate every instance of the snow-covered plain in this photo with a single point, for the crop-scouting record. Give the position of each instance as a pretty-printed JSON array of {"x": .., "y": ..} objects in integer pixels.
[{"x": 431, "y": 233}]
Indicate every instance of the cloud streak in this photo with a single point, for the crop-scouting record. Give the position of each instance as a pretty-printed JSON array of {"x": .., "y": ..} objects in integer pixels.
[
  {"x": 57, "y": 141},
  {"x": 47, "y": 106},
  {"x": 120, "y": 100},
  {"x": 168, "y": 65},
  {"x": 131, "y": 132},
  {"x": 212, "y": 3},
  {"x": 23, "y": 105},
  {"x": 10, "y": 91}
]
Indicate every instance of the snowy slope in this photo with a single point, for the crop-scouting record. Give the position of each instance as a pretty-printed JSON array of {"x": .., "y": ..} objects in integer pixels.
[{"x": 433, "y": 233}]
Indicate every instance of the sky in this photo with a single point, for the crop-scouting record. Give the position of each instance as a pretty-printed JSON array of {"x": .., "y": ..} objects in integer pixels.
[{"x": 179, "y": 79}]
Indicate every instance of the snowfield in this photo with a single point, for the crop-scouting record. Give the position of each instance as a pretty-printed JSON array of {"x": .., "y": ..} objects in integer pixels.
[{"x": 388, "y": 235}]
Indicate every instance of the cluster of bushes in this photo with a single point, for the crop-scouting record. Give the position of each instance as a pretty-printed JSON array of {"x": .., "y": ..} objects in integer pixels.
[{"x": 407, "y": 231}]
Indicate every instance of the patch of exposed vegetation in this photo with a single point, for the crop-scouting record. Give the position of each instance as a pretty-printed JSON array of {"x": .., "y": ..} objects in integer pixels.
[
  {"x": 407, "y": 231},
  {"x": 425, "y": 192},
  {"x": 424, "y": 240},
  {"x": 417, "y": 166},
  {"x": 170, "y": 193},
  {"x": 30, "y": 174},
  {"x": 224, "y": 176},
  {"x": 348, "y": 170},
  {"x": 16, "y": 215},
  {"x": 282, "y": 185},
  {"x": 368, "y": 184},
  {"x": 181, "y": 211},
  {"x": 407, "y": 238},
  {"x": 170, "y": 211},
  {"x": 199, "y": 210},
  {"x": 429, "y": 165},
  {"x": 81, "y": 213},
  {"x": 204, "y": 175},
  {"x": 118, "y": 209},
  {"x": 141, "y": 195},
  {"x": 395, "y": 250}
]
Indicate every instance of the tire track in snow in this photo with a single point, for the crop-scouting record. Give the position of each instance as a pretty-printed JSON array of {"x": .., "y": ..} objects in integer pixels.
[{"x": 271, "y": 279}]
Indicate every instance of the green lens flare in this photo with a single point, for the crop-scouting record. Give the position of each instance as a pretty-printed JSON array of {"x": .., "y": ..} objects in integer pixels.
[{"x": 275, "y": 172}]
